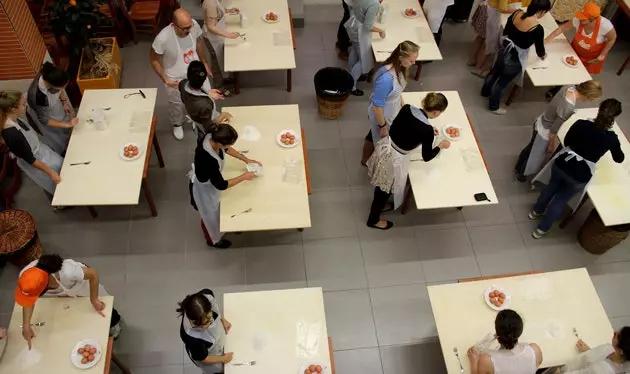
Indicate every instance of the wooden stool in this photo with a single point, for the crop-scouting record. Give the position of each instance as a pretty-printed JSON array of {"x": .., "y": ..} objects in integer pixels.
[{"x": 18, "y": 237}]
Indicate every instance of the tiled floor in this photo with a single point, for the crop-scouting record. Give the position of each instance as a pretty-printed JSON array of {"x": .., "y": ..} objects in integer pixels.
[{"x": 377, "y": 308}]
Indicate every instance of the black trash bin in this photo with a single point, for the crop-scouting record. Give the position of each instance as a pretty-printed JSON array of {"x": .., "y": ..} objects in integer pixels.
[{"x": 332, "y": 88}]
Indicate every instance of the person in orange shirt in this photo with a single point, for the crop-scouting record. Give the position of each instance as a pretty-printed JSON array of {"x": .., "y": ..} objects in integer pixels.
[{"x": 594, "y": 37}]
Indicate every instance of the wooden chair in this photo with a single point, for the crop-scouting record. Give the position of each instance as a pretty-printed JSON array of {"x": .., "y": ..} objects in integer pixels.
[
  {"x": 117, "y": 25},
  {"x": 10, "y": 178},
  {"x": 499, "y": 276},
  {"x": 623, "y": 66},
  {"x": 145, "y": 17}
]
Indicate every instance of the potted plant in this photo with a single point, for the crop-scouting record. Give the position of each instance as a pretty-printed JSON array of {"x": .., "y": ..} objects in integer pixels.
[{"x": 100, "y": 62}]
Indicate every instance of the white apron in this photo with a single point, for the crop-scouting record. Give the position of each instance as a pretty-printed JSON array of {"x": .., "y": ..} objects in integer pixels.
[
  {"x": 362, "y": 38},
  {"x": 538, "y": 154},
  {"x": 42, "y": 153},
  {"x": 215, "y": 335},
  {"x": 388, "y": 168},
  {"x": 55, "y": 137},
  {"x": 493, "y": 30},
  {"x": 393, "y": 103},
  {"x": 545, "y": 174},
  {"x": 218, "y": 41},
  {"x": 184, "y": 58},
  {"x": 436, "y": 11},
  {"x": 207, "y": 197}
]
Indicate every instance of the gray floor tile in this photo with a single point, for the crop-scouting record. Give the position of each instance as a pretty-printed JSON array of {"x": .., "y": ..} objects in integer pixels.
[
  {"x": 334, "y": 264},
  {"x": 443, "y": 244},
  {"x": 170, "y": 369},
  {"x": 610, "y": 281},
  {"x": 277, "y": 264},
  {"x": 332, "y": 215},
  {"x": 450, "y": 269},
  {"x": 493, "y": 239},
  {"x": 619, "y": 322},
  {"x": 392, "y": 262},
  {"x": 366, "y": 361},
  {"x": 151, "y": 347},
  {"x": 321, "y": 133},
  {"x": 402, "y": 314},
  {"x": 488, "y": 214},
  {"x": 155, "y": 234},
  {"x": 353, "y": 151},
  {"x": 328, "y": 170},
  {"x": 102, "y": 237},
  {"x": 349, "y": 319},
  {"x": 411, "y": 359},
  {"x": 362, "y": 199}
]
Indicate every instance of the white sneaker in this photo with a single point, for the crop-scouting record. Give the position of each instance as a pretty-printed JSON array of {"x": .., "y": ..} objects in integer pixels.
[
  {"x": 538, "y": 233},
  {"x": 178, "y": 132},
  {"x": 533, "y": 215},
  {"x": 500, "y": 111}
]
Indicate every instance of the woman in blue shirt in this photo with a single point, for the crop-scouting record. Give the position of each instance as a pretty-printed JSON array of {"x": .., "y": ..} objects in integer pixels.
[{"x": 386, "y": 100}]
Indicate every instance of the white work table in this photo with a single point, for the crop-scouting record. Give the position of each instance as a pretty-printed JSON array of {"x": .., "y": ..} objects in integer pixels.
[
  {"x": 269, "y": 46},
  {"x": 68, "y": 321},
  {"x": 551, "y": 305},
  {"x": 274, "y": 203},
  {"x": 280, "y": 330},
  {"x": 458, "y": 173},
  {"x": 608, "y": 190},
  {"x": 108, "y": 179}
]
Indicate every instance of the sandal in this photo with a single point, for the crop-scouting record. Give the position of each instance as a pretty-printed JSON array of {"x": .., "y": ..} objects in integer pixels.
[{"x": 390, "y": 224}]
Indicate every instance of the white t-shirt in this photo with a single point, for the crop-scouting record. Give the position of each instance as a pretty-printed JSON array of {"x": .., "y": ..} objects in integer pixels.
[
  {"x": 172, "y": 48},
  {"x": 604, "y": 27},
  {"x": 71, "y": 277}
]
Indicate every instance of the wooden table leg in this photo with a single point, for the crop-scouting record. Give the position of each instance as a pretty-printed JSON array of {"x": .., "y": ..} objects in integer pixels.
[
  {"x": 418, "y": 70},
  {"x": 570, "y": 216},
  {"x": 147, "y": 195},
  {"x": 406, "y": 201},
  {"x": 331, "y": 353},
  {"x": 512, "y": 95},
  {"x": 623, "y": 66},
  {"x": 92, "y": 211},
  {"x": 237, "y": 88},
  {"x": 289, "y": 84},
  {"x": 158, "y": 150}
]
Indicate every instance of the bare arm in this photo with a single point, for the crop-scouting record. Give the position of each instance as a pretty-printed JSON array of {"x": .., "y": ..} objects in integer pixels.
[
  {"x": 92, "y": 276},
  {"x": 62, "y": 124},
  {"x": 218, "y": 359},
  {"x": 380, "y": 119},
  {"x": 538, "y": 352},
  {"x": 236, "y": 154},
  {"x": 243, "y": 177},
  {"x": 611, "y": 38},
  {"x": 27, "y": 330},
  {"x": 201, "y": 52},
  {"x": 485, "y": 365},
  {"x": 43, "y": 167},
  {"x": 560, "y": 30},
  {"x": 156, "y": 64}
]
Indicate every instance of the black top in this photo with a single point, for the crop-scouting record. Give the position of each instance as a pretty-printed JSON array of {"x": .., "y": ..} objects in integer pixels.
[
  {"x": 525, "y": 39},
  {"x": 199, "y": 107},
  {"x": 207, "y": 167},
  {"x": 196, "y": 348},
  {"x": 17, "y": 143},
  {"x": 408, "y": 132},
  {"x": 590, "y": 143},
  {"x": 38, "y": 100}
]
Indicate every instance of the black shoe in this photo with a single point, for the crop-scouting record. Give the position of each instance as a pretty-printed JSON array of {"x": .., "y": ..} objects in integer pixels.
[
  {"x": 221, "y": 244},
  {"x": 521, "y": 178},
  {"x": 356, "y": 92},
  {"x": 390, "y": 224},
  {"x": 363, "y": 78}
]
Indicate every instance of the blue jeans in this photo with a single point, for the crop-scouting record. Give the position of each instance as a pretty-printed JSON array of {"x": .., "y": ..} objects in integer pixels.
[
  {"x": 555, "y": 196},
  {"x": 354, "y": 64},
  {"x": 506, "y": 67}
]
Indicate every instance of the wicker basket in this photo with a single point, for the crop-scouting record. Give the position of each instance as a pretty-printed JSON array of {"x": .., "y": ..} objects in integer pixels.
[
  {"x": 18, "y": 237},
  {"x": 331, "y": 109},
  {"x": 596, "y": 238}
]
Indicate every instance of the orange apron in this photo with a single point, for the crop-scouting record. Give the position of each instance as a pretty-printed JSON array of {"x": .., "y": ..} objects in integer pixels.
[{"x": 588, "y": 49}]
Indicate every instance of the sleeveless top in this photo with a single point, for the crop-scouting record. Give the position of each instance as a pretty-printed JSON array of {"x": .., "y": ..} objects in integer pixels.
[{"x": 520, "y": 360}]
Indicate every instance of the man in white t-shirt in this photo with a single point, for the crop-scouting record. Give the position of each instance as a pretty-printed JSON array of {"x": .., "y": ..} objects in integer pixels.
[{"x": 173, "y": 49}]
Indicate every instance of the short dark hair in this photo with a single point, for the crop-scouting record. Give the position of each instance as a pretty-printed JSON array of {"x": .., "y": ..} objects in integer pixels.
[
  {"x": 623, "y": 338},
  {"x": 50, "y": 263},
  {"x": 224, "y": 134},
  {"x": 508, "y": 326},
  {"x": 54, "y": 75},
  {"x": 537, "y": 6},
  {"x": 196, "y": 307},
  {"x": 196, "y": 74}
]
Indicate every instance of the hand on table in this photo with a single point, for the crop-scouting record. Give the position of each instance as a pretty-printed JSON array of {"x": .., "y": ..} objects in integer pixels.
[
  {"x": 28, "y": 334},
  {"x": 99, "y": 306},
  {"x": 226, "y": 324},
  {"x": 382, "y": 34},
  {"x": 73, "y": 122},
  {"x": 232, "y": 35},
  {"x": 248, "y": 176},
  {"x": 473, "y": 356},
  {"x": 216, "y": 94},
  {"x": 227, "y": 357},
  {"x": 250, "y": 161},
  {"x": 444, "y": 144},
  {"x": 599, "y": 59},
  {"x": 581, "y": 346},
  {"x": 55, "y": 177}
]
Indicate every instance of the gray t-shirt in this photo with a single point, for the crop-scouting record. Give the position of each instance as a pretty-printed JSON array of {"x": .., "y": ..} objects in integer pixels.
[
  {"x": 366, "y": 12},
  {"x": 558, "y": 111}
]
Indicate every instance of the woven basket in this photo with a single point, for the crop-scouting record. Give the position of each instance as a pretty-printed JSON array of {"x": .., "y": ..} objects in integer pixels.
[
  {"x": 596, "y": 238},
  {"x": 331, "y": 109},
  {"x": 18, "y": 237}
]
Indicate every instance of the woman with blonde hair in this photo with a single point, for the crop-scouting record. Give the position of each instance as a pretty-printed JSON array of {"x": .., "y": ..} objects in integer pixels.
[
  {"x": 386, "y": 99},
  {"x": 544, "y": 140},
  {"x": 388, "y": 166},
  {"x": 37, "y": 160},
  {"x": 215, "y": 32}
]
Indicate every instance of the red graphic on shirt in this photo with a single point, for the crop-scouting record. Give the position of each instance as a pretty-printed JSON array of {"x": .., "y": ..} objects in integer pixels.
[{"x": 189, "y": 56}]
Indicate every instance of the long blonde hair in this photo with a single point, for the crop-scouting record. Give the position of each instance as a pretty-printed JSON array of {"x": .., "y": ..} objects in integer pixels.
[
  {"x": 404, "y": 49},
  {"x": 590, "y": 89},
  {"x": 9, "y": 101}
]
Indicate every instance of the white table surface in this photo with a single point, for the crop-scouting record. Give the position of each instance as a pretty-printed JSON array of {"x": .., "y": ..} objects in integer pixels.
[
  {"x": 557, "y": 73},
  {"x": 280, "y": 330},
  {"x": 68, "y": 321},
  {"x": 108, "y": 179},
  {"x": 448, "y": 180},
  {"x": 609, "y": 187},
  {"x": 551, "y": 305},
  {"x": 259, "y": 51},
  {"x": 275, "y": 204},
  {"x": 398, "y": 29}
]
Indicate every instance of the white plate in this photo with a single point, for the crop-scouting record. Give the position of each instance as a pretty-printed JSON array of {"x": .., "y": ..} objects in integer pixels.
[
  {"x": 564, "y": 60},
  {"x": 406, "y": 16},
  {"x": 297, "y": 139},
  {"x": 506, "y": 302},
  {"x": 75, "y": 357},
  {"x": 264, "y": 16},
  {"x": 448, "y": 136},
  {"x": 325, "y": 368},
  {"x": 121, "y": 153}
]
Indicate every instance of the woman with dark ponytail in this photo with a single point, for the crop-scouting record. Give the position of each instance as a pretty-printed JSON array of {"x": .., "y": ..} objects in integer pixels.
[
  {"x": 206, "y": 181},
  {"x": 570, "y": 171},
  {"x": 513, "y": 357},
  {"x": 203, "y": 331}
]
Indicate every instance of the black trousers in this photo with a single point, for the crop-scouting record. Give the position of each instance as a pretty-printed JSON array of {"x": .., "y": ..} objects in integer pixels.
[
  {"x": 342, "y": 35},
  {"x": 524, "y": 155},
  {"x": 379, "y": 201}
]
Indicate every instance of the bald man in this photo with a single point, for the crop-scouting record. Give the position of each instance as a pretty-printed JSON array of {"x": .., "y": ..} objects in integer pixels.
[{"x": 173, "y": 49}]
